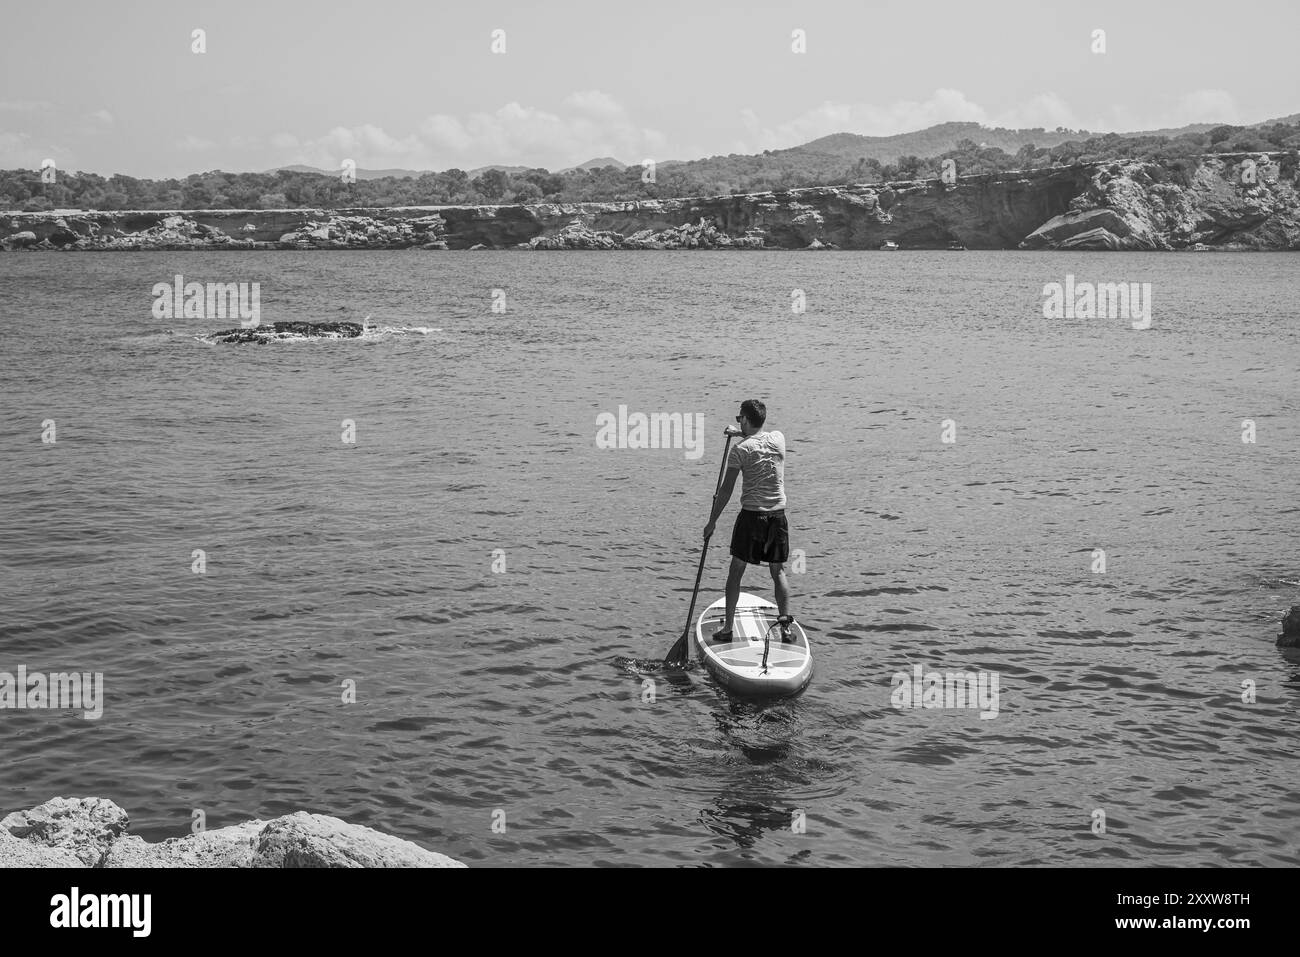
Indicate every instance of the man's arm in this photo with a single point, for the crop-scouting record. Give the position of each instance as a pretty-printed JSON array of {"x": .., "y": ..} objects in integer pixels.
[{"x": 721, "y": 499}]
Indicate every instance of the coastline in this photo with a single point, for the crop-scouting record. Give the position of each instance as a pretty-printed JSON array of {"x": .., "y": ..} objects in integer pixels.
[{"x": 1115, "y": 205}]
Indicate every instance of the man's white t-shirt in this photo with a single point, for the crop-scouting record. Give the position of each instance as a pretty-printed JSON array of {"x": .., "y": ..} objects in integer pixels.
[{"x": 761, "y": 460}]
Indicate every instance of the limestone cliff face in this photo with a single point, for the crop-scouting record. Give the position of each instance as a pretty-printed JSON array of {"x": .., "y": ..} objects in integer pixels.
[
  {"x": 1119, "y": 205},
  {"x": 1125, "y": 206}
]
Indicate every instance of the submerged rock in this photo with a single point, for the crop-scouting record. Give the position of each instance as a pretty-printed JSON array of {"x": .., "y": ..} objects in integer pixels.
[
  {"x": 90, "y": 832},
  {"x": 270, "y": 332},
  {"x": 1290, "y": 637}
]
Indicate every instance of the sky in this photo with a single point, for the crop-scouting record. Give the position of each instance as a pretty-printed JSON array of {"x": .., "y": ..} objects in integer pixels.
[{"x": 118, "y": 88}]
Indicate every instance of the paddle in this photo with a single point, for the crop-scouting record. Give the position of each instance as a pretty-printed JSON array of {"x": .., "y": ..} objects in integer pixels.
[{"x": 677, "y": 654}]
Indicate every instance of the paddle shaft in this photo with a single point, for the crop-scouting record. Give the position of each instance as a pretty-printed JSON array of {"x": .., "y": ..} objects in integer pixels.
[{"x": 699, "y": 573}]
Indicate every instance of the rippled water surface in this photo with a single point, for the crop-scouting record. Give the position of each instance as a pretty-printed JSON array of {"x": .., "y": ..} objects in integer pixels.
[{"x": 522, "y": 691}]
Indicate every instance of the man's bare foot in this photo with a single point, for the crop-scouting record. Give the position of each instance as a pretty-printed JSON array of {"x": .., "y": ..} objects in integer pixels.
[{"x": 785, "y": 621}]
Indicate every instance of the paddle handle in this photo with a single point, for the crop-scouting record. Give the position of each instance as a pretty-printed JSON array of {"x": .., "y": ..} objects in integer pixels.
[{"x": 699, "y": 572}]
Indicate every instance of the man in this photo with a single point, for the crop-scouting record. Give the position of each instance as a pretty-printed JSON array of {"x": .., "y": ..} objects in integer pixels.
[{"x": 761, "y": 533}]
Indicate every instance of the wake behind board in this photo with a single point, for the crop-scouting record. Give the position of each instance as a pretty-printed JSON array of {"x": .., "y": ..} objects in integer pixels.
[{"x": 738, "y": 664}]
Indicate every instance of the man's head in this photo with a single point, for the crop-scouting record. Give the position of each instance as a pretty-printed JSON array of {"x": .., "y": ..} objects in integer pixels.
[{"x": 753, "y": 414}]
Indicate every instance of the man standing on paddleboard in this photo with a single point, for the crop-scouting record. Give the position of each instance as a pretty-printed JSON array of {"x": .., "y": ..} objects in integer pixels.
[{"x": 761, "y": 533}]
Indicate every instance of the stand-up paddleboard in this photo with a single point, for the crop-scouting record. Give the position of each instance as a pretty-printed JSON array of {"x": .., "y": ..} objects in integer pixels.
[{"x": 738, "y": 664}]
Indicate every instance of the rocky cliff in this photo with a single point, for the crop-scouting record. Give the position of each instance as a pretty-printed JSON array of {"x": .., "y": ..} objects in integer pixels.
[{"x": 1114, "y": 205}]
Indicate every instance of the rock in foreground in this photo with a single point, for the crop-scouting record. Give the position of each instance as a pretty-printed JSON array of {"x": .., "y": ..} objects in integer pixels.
[
  {"x": 315, "y": 840},
  {"x": 82, "y": 827},
  {"x": 15, "y": 852},
  {"x": 91, "y": 832}
]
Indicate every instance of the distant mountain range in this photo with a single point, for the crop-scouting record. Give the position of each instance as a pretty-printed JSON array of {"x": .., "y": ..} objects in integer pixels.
[
  {"x": 944, "y": 137},
  {"x": 848, "y": 147}
]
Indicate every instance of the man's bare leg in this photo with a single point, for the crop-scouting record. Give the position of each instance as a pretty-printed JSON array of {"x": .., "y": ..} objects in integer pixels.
[
  {"x": 782, "y": 587},
  {"x": 733, "y": 590}
]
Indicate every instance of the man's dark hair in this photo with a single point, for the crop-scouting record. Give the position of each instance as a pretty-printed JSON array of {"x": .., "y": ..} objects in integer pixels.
[{"x": 755, "y": 411}]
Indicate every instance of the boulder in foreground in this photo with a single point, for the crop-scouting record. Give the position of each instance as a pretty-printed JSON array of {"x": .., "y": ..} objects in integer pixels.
[
  {"x": 315, "y": 840},
  {"x": 82, "y": 827},
  {"x": 91, "y": 832},
  {"x": 221, "y": 847}
]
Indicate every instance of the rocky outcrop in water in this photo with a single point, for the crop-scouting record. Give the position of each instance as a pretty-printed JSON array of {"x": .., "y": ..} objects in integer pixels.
[
  {"x": 1112, "y": 205},
  {"x": 91, "y": 832},
  {"x": 273, "y": 331},
  {"x": 1290, "y": 637}
]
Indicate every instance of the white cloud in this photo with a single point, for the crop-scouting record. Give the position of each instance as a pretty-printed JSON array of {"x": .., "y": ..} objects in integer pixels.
[
  {"x": 594, "y": 103},
  {"x": 1199, "y": 106},
  {"x": 1208, "y": 106},
  {"x": 590, "y": 124},
  {"x": 867, "y": 119},
  {"x": 14, "y": 152},
  {"x": 1046, "y": 110},
  {"x": 102, "y": 116},
  {"x": 24, "y": 106},
  {"x": 19, "y": 151},
  {"x": 195, "y": 144}
]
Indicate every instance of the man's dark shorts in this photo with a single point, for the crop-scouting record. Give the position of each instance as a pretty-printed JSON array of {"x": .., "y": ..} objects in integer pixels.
[{"x": 761, "y": 537}]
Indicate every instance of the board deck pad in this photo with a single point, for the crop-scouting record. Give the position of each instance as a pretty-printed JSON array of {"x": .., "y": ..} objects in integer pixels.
[{"x": 738, "y": 664}]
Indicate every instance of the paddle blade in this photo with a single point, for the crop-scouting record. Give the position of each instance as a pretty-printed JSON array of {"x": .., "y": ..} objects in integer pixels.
[{"x": 679, "y": 652}]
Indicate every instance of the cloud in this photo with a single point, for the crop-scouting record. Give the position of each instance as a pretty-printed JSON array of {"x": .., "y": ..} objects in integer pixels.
[
  {"x": 25, "y": 106},
  {"x": 1208, "y": 106},
  {"x": 19, "y": 151},
  {"x": 1199, "y": 106},
  {"x": 1046, "y": 110},
  {"x": 13, "y": 146},
  {"x": 102, "y": 116},
  {"x": 195, "y": 144},
  {"x": 867, "y": 119},
  {"x": 591, "y": 123},
  {"x": 594, "y": 103}
]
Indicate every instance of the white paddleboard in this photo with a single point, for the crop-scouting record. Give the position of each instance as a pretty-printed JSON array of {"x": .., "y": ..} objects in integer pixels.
[{"x": 738, "y": 664}]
